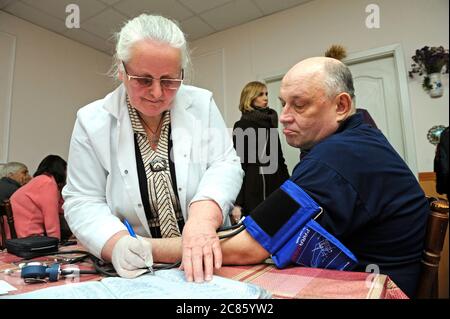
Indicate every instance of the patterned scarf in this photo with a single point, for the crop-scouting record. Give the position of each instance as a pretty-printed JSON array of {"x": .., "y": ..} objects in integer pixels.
[{"x": 164, "y": 204}]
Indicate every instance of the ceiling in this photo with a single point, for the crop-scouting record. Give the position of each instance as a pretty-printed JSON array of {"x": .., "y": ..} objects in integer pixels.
[{"x": 100, "y": 18}]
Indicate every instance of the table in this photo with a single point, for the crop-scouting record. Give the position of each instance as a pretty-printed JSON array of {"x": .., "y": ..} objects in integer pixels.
[
  {"x": 10, "y": 271},
  {"x": 314, "y": 283},
  {"x": 289, "y": 283}
]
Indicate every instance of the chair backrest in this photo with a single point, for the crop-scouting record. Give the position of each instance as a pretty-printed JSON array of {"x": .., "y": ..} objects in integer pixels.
[
  {"x": 434, "y": 241},
  {"x": 6, "y": 217}
]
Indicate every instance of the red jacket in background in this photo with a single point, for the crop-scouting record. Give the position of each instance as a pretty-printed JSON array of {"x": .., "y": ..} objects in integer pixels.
[{"x": 36, "y": 207}]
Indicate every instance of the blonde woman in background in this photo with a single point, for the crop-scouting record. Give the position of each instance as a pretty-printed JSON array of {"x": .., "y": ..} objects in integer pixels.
[{"x": 256, "y": 140}]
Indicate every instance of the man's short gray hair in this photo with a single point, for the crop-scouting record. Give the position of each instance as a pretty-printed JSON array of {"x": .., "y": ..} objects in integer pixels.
[
  {"x": 149, "y": 27},
  {"x": 13, "y": 167},
  {"x": 338, "y": 79}
]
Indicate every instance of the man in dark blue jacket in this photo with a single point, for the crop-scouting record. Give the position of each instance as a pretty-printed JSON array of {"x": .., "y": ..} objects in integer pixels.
[{"x": 372, "y": 201}]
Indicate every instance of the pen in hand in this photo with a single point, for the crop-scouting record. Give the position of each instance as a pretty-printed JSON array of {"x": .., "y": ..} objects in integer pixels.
[
  {"x": 130, "y": 229},
  {"x": 133, "y": 234}
]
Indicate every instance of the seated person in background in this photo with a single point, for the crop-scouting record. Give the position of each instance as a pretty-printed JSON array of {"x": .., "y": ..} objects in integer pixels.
[
  {"x": 15, "y": 175},
  {"x": 372, "y": 202},
  {"x": 37, "y": 206},
  {"x": 256, "y": 140}
]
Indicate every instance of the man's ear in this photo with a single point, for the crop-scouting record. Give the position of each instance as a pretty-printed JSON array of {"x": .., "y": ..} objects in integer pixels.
[
  {"x": 120, "y": 75},
  {"x": 343, "y": 106}
]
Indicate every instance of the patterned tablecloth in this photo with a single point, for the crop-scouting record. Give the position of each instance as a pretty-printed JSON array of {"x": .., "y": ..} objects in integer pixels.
[
  {"x": 290, "y": 283},
  {"x": 10, "y": 270},
  {"x": 301, "y": 282}
]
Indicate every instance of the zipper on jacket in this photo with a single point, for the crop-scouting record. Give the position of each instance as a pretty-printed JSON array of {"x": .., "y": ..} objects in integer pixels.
[
  {"x": 261, "y": 168},
  {"x": 263, "y": 182}
]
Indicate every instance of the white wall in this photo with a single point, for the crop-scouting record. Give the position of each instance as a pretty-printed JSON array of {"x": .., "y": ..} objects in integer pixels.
[
  {"x": 53, "y": 77},
  {"x": 7, "y": 56},
  {"x": 271, "y": 45}
]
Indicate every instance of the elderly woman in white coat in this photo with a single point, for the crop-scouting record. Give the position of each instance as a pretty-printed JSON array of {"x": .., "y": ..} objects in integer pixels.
[{"x": 153, "y": 152}]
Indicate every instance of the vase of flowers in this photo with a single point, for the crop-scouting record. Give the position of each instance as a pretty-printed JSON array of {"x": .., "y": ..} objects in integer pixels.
[
  {"x": 435, "y": 85},
  {"x": 430, "y": 62}
]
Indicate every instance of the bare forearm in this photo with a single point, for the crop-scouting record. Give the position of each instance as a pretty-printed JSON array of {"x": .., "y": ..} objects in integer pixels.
[
  {"x": 241, "y": 249},
  {"x": 166, "y": 250}
]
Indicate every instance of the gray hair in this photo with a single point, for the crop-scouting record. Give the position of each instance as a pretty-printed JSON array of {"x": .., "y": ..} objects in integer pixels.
[
  {"x": 338, "y": 79},
  {"x": 148, "y": 27},
  {"x": 13, "y": 167}
]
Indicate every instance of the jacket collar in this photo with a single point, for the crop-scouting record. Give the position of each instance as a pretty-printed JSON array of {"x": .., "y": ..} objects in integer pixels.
[
  {"x": 351, "y": 122},
  {"x": 11, "y": 181},
  {"x": 114, "y": 100}
]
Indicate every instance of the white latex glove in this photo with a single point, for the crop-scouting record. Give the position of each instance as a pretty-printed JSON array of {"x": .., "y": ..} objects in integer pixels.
[{"x": 131, "y": 257}]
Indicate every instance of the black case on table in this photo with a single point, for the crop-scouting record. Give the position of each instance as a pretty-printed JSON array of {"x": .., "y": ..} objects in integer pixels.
[{"x": 33, "y": 246}]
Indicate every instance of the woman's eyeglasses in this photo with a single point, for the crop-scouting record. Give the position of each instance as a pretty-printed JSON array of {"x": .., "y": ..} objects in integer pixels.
[{"x": 147, "y": 81}]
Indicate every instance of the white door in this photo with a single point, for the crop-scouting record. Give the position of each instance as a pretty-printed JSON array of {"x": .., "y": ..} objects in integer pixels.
[{"x": 376, "y": 89}]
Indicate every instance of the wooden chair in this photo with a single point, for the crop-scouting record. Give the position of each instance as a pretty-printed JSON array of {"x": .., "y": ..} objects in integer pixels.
[
  {"x": 434, "y": 241},
  {"x": 6, "y": 215}
]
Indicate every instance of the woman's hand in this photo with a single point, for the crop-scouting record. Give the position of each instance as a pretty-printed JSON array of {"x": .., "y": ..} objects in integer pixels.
[
  {"x": 201, "y": 246},
  {"x": 131, "y": 257}
]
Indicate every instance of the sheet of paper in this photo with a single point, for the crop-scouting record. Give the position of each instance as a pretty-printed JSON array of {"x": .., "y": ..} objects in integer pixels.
[
  {"x": 5, "y": 287},
  {"x": 83, "y": 290},
  {"x": 164, "y": 284},
  {"x": 172, "y": 284}
]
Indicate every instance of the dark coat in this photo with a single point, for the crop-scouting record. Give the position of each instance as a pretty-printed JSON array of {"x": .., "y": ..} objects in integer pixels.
[
  {"x": 7, "y": 187},
  {"x": 256, "y": 186},
  {"x": 441, "y": 163}
]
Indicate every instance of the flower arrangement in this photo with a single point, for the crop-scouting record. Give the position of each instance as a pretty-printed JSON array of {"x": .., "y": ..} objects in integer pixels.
[{"x": 429, "y": 60}]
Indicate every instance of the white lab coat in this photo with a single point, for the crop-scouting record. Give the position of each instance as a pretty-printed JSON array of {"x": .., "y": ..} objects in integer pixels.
[{"x": 102, "y": 182}]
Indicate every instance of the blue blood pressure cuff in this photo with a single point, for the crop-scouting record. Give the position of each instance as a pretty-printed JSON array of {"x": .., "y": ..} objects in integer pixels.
[{"x": 284, "y": 225}]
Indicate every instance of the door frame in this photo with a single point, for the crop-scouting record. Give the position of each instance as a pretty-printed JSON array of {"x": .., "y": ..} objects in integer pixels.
[
  {"x": 395, "y": 51},
  {"x": 6, "y": 112}
]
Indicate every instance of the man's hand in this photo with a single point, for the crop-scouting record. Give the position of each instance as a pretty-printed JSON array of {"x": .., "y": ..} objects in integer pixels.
[
  {"x": 201, "y": 246},
  {"x": 131, "y": 257}
]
